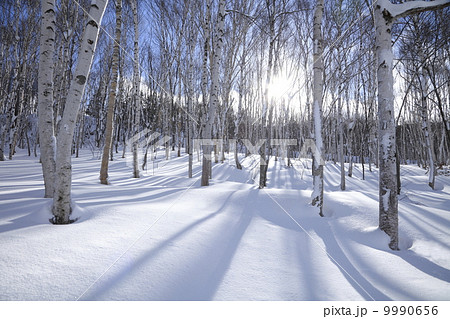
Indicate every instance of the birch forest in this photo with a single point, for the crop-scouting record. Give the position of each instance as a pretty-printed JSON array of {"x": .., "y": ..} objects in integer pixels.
[
  {"x": 224, "y": 72},
  {"x": 362, "y": 86}
]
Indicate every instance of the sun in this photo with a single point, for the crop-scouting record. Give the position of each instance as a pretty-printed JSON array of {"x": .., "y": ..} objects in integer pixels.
[{"x": 280, "y": 88}]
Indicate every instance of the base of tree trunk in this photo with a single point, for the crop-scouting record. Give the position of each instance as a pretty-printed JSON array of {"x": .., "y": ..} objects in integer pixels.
[
  {"x": 263, "y": 176},
  {"x": 61, "y": 221},
  {"x": 206, "y": 170},
  {"x": 316, "y": 202}
]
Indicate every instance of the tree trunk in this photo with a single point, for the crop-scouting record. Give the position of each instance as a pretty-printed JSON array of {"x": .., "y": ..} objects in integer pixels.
[
  {"x": 112, "y": 97},
  {"x": 264, "y": 160},
  {"x": 317, "y": 194},
  {"x": 190, "y": 97},
  {"x": 388, "y": 203},
  {"x": 385, "y": 12},
  {"x": 62, "y": 207},
  {"x": 341, "y": 143},
  {"x": 13, "y": 96},
  {"x": 45, "y": 95},
  {"x": 213, "y": 100},
  {"x": 426, "y": 131},
  {"x": 3, "y": 129},
  {"x": 350, "y": 148},
  {"x": 136, "y": 89}
]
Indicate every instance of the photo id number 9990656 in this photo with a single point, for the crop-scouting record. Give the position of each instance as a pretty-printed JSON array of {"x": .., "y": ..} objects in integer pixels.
[{"x": 410, "y": 310}]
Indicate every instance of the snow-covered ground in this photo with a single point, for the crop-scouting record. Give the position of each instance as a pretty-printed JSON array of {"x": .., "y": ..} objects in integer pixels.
[{"x": 163, "y": 237}]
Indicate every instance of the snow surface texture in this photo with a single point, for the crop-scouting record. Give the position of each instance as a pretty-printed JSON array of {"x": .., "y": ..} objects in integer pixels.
[{"x": 163, "y": 237}]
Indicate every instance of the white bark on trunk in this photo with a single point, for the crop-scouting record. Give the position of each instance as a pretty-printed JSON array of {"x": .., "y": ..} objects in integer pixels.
[
  {"x": 190, "y": 97},
  {"x": 341, "y": 142},
  {"x": 237, "y": 123},
  {"x": 12, "y": 118},
  {"x": 112, "y": 97},
  {"x": 213, "y": 100},
  {"x": 264, "y": 133},
  {"x": 388, "y": 203},
  {"x": 350, "y": 152},
  {"x": 45, "y": 95},
  {"x": 206, "y": 48},
  {"x": 62, "y": 207},
  {"x": 385, "y": 12},
  {"x": 3, "y": 129},
  {"x": 136, "y": 88},
  {"x": 205, "y": 58},
  {"x": 18, "y": 109},
  {"x": 425, "y": 129},
  {"x": 317, "y": 194}
]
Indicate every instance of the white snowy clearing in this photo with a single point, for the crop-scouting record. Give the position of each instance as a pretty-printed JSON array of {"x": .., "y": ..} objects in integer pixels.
[{"x": 163, "y": 237}]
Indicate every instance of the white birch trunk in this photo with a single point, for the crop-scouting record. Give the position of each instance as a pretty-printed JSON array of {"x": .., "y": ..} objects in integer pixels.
[
  {"x": 237, "y": 123},
  {"x": 204, "y": 84},
  {"x": 18, "y": 110},
  {"x": 317, "y": 194},
  {"x": 136, "y": 88},
  {"x": 11, "y": 120},
  {"x": 213, "y": 100},
  {"x": 190, "y": 93},
  {"x": 350, "y": 132},
  {"x": 3, "y": 129},
  {"x": 425, "y": 129},
  {"x": 62, "y": 207},
  {"x": 341, "y": 142},
  {"x": 385, "y": 13},
  {"x": 45, "y": 95},
  {"x": 388, "y": 203},
  {"x": 111, "y": 97},
  {"x": 264, "y": 134}
]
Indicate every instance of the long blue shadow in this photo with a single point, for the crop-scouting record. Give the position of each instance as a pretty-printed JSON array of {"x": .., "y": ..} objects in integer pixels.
[{"x": 196, "y": 285}]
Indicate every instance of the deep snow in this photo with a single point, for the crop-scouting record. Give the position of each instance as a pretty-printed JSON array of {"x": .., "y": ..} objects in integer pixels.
[{"x": 163, "y": 237}]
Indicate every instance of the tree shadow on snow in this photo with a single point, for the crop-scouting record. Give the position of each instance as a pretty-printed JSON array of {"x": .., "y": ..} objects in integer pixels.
[
  {"x": 425, "y": 265},
  {"x": 26, "y": 213},
  {"x": 116, "y": 197},
  {"x": 354, "y": 276},
  {"x": 199, "y": 278}
]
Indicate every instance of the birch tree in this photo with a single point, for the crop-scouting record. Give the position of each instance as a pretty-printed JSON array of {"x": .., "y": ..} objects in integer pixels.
[
  {"x": 425, "y": 125},
  {"x": 136, "y": 87},
  {"x": 317, "y": 194},
  {"x": 264, "y": 160},
  {"x": 45, "y": 95},
  {"x": 62, "y": 206},
  {"x": 213, "y": 99},
  {"x": 111, "y": 97},
  {"x": 11, "y": 96},
  {"x": 385, "y": 14},
  {"x": 245, "y": 26},
  {"x": 191, "y": 39}
]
